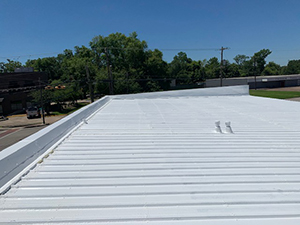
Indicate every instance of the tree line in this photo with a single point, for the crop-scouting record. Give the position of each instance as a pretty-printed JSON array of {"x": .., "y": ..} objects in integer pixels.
[{"x": 121, "y": 64}]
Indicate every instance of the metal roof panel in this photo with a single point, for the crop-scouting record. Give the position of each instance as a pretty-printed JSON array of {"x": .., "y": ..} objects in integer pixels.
[{"x": 159, "y": 160}]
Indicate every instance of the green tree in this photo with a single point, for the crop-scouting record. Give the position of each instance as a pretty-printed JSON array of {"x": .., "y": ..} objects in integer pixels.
[
  {"x": 197, "y": 71},
  {"x": 130, "y": 63},
  {"x": 75, "y": 69},
  {"x": 156, "y": 71},
  {"x": 2, "y": 67},
  {"x": 258, "y": 61},
  {"x": 180, "y": 69},
  {"x": 50, "y": 65},
  {"x": 240, "y": 60},
  {"x": 46, "y": 97},
  {"x": 293, "y": 67},
  {"x": 272, "y": 69},
  {"x": 212, "y": 68},
  {"x": 231, "y": 69},
  {"x": 124, "y": 53},
  {"x": 10, "y": 66}
]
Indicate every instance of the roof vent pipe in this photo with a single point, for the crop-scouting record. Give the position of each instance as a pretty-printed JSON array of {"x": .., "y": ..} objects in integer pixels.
[
  {"x": 228, "y": 127},
  {"x": 218, "y": 128}
]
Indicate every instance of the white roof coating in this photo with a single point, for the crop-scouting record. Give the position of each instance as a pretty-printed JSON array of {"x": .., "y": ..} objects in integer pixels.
[{"x": 159, "y": 161}]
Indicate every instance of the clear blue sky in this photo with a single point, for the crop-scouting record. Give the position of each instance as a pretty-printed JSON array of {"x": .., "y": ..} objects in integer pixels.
[{"x": 40, "y": 28}]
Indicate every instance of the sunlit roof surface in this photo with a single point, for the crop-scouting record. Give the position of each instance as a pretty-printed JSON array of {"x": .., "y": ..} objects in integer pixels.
[{"x": 158, "y": 160}]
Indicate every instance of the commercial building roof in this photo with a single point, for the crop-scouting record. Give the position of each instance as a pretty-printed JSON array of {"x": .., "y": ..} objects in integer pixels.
[
  {"x": 258, "y": 81},
  {"x": 159, "y": 158}
]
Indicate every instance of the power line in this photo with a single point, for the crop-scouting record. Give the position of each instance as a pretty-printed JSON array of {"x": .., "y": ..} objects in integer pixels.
[
  {"x": 29, "y": 55},
  {"x": 115, "y": 48},
  {"x": 162, "y": 49}
]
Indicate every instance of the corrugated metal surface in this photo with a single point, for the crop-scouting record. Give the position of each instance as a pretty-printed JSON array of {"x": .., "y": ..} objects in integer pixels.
[{"x": 159, "y": 161}]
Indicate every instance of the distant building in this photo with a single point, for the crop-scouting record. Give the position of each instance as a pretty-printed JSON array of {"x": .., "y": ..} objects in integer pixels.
[
  {"x": 261, "y": 81},
  {"x": 15, "y": 87},
  {"x": 24, "y": 69}
]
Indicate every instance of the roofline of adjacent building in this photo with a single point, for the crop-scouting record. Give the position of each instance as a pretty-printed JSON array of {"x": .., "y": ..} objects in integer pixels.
[{"x": 261, "y": 78}]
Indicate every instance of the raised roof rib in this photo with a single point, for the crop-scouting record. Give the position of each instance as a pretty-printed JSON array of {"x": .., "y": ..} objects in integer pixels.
[{"x": 158, "y": 160}]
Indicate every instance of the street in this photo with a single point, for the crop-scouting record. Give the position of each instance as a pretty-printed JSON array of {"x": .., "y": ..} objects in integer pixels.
[{"x": 19, "y": 127}]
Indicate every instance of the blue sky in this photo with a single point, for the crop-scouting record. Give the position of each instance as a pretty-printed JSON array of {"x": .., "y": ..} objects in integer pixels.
[{"x": 39, "y": 28}]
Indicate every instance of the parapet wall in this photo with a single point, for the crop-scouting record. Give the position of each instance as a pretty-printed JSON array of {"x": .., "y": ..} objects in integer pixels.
[
  {"x": 218, "y": 91},
  {"x": 17, "y": 157}
]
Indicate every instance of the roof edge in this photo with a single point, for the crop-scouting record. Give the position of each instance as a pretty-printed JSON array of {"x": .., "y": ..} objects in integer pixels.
[
  {"x": 16, "y": 159},
  {"x": 198, "y": 92}
]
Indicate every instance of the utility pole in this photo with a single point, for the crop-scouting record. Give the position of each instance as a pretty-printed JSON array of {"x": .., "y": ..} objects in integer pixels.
[
  {"x": 111, "y": 88},
  {"x": 111, "y": 79},
  {"x": 41, "y": 93},
  {"x": 254, "y": 69},
  {"x": 221, "y": 66},
  {"x": 127, "y": 75},
  {"x": 90, "y": 83}
]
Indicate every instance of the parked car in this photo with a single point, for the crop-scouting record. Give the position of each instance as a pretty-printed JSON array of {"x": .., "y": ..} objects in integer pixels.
[
  {"x": 2, "y": 118},
  {"x": 33, "y": 112}
]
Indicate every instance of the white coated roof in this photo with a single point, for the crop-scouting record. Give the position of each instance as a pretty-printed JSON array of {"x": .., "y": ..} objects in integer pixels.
[{"x": 158, "y": 160}]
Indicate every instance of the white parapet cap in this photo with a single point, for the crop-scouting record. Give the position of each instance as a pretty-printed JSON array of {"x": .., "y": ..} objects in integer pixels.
[{"x": 14, "y": 159}]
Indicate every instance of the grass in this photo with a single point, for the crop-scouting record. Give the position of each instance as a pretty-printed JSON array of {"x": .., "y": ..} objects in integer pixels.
[
  {"x": 275, "y": 94},
  {"x": 69, "y": 110}
]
